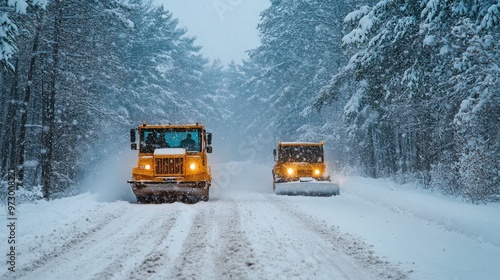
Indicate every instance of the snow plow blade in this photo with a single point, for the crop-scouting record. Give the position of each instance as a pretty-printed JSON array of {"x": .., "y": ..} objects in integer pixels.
[
  {"x": 307, "y": 188},
  {"x": 160, "y": 192}
]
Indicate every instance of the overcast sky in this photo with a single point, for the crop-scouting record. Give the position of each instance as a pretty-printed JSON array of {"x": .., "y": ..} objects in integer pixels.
[{"x": 224, "y": 29}]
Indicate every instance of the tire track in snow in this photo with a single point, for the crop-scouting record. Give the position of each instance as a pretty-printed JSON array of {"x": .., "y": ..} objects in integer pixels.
[
  {"x": 123, "y": 235},
  {"x": 61, "y": 240},
  {"x": 284, "y": 249},
  {"x": 235, "y": 249},
  {"x": 127, "y": 265},
  {"x": 356, "y": 252},
  {"x": 167, "y": 249},
  {"x": 290, "y": 245},
  {"x": 216, "y": 247}
]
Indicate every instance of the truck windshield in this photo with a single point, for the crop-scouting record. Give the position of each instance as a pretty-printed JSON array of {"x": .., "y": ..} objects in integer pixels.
[
  {"x": 187, "y": 138},
  {"x": 301, "y": 154}
]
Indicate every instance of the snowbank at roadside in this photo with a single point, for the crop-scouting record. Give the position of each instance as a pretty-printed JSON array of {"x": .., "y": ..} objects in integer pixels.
[{"x": 480, "y": 222}]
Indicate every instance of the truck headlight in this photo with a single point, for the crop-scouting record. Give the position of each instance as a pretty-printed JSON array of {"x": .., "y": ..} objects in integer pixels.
[
  {"x": 290, "y": 171},
  {"x": 317, "y": 172},
  {"x": 192, "y": 166},
  {"x": 145, "y": 167}
]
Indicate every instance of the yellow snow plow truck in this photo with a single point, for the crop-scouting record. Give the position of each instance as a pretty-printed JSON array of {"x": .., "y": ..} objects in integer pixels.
[
  {"x": 173, "y": 163},
  {"x": 300, "y": 169}
]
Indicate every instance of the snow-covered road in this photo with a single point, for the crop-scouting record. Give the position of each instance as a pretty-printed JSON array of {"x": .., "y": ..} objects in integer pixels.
[
  {"x": 247, "y": 236},
  {"x": 373, "y": 230}
]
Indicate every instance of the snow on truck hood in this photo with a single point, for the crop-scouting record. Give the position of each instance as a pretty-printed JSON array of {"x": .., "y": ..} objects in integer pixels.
[
  {"x": 170, "y": 151},
  {"x": 300, "y": 143}
]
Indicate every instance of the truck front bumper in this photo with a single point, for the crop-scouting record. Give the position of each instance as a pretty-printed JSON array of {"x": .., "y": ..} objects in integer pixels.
[{"x": 147, "y": 191}]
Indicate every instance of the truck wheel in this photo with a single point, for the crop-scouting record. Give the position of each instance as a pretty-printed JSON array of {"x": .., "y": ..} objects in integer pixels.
[
  {"x": 204, "y": 196},
  {"x": 191, "y": 199}
]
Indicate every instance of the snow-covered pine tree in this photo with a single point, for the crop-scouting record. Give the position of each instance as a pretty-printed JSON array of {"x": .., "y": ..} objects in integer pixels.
[
  {"x": 11, "y": 78},
  {"x": 164, "y": 69},
  {"x": 421, "y": 68},
  {"x": 300, "y": 52}
]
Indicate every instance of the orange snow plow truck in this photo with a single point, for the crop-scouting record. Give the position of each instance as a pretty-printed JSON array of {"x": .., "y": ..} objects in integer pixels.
[
  {"x": 173, "y": 163},
  {"x": 300, "y": 169}
]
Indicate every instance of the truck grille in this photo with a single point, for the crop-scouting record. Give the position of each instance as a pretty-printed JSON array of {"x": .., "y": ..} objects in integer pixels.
[
  {"x": 169, "y": 166},
  {"x": 304, "y": 172}
]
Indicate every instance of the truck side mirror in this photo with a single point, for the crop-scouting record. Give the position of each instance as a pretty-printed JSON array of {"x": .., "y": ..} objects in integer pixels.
[
  {"x": 274, "y": 154},
  {"x": 132, "y": 135},
  {"x": 133, "y": 146},
  {"x": 209, "y": 150},
  {"x": 209, "y": 138}
]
